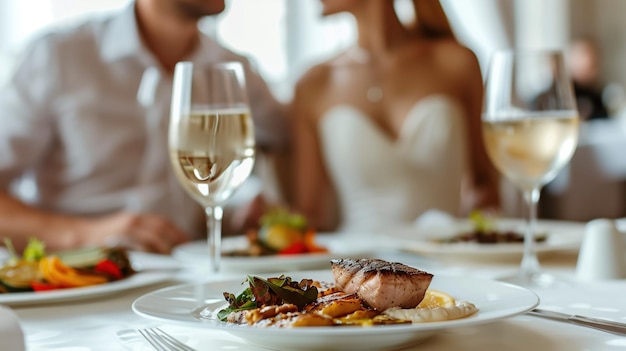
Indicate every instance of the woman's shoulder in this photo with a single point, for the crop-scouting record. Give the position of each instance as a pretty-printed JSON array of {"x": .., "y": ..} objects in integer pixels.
[
  {"x": 445, "y": 58},
  {"x": 320, "y": 74},
  {"x": 439, "y": 56},
  {"x": 315, "y": 87},
  {"x": 315, "y": 75},
  {"x": 454, "y": 57},
  {"x": 318, "y": 78}
]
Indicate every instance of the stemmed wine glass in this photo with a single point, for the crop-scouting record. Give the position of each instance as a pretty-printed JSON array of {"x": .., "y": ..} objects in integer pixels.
[
  {"x": 530, "y": 129},
  {"x": 211, "y": 139}
]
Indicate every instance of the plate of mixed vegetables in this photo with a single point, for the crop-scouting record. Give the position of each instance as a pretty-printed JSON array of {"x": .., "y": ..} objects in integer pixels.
[
  {"x": 36, "y": 276},
  {"x": 282, "y": 240}
]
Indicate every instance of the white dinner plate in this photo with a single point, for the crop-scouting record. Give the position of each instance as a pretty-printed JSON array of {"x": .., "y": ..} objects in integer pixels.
[
  {"x": 151, "y": 269},
  {"x": 562, "y": 236},
  {"x": 339, "y": 246},
  {"x": 192, "y": 305}
]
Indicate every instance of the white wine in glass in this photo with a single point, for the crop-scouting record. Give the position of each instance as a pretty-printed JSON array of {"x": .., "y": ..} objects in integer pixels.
[
  {"x": 530, "y": 130},
  {"x": 211, "y": 139}
]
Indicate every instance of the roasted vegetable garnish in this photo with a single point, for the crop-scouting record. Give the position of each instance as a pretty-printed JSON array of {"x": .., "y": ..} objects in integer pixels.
[
  {"x": 17, "y": 276},
  {"x": 280, "y": 232},
  {"x": 55, "y": 272},
  {"x": 280, "y": 216},
  {"x": 88, "y": 258},
  {"x": 482, "y": 223},
  {"x": 34, "y": 251},
  {"x": 267, "y": 292},
  {"x": 485, "y": 231}
]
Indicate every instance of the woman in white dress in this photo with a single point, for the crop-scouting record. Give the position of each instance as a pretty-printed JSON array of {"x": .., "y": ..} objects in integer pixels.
[{"x": 390, "y": 128}]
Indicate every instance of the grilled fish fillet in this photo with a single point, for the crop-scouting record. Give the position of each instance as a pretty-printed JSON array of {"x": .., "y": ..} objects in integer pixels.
[{"x": 381, "y": 284}]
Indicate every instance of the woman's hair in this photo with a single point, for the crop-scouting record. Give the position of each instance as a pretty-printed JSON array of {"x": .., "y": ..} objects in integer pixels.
[{"x": 430, "y": 19}]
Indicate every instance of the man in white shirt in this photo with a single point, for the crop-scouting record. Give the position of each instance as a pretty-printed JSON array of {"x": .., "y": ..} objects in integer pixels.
[{"x": 85, "y": 117}]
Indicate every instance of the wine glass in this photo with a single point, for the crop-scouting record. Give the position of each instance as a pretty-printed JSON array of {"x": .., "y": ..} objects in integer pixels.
[
  {"x": 211, "y": 139},
  {"x": 530, "y": 130}
]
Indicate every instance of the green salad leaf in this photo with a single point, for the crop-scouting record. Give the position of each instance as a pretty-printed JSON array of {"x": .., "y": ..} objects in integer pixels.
[
  {"x": 267, "y": 292},
  {"x": 34, "y": 251},
  {"x": 244, "y": 301},
  {"x": 299, "y": 294}
]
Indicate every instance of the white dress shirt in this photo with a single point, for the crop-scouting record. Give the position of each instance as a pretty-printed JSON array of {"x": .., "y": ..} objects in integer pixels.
[{"x": 85, "y": 115}]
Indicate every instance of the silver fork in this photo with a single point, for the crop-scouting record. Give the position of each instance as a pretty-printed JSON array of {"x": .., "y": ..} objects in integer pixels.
[{"x": 162, "y": 341}]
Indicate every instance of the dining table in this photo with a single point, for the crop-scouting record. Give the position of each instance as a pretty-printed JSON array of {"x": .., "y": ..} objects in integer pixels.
[{"x": 108, "y": 322}]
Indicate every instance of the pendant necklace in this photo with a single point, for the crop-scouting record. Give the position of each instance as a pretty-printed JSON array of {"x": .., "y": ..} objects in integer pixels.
[{"x": 374, "y": 92}]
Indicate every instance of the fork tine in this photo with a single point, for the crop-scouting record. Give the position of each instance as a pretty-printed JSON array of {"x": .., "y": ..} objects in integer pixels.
[
  {"x": 149, "y": 337},
  {"x": 162, "y": 341},
  {"x": 173, "y": 341}
]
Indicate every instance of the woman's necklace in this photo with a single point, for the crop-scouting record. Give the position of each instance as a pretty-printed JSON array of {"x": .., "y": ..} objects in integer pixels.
[{"x": 374, "y": 92}]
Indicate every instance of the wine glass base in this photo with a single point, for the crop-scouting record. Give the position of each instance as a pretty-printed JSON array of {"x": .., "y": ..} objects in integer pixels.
[{"x": 534, "y": 280}]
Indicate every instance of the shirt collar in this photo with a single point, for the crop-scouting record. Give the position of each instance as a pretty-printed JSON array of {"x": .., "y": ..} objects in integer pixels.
[
  {"x": 121, "y": 38},
  {"x": 206, "y": 52}
]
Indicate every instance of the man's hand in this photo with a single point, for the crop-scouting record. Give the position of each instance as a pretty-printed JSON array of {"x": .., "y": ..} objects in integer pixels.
[{"x": 135, "y": 231}]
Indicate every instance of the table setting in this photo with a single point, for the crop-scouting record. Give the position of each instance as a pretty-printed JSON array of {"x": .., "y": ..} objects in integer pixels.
[{"x": 589, "y": 286}]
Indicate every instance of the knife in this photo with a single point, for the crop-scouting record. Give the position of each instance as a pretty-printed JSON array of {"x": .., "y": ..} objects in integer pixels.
[{"x": 595, "y": 323}]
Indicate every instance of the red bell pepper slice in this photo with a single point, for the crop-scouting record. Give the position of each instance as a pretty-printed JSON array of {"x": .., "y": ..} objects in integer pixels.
[
  {"x": 295, "y": 248},
  {"x": 109, "y": 268},
  {"x": 43, "y": 286}
]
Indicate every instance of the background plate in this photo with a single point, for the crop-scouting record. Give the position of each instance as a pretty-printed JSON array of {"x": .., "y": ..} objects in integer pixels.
[
  {"x": 151, "y": 268},
  {"x": 563, "y": 236},
  {"x": 339, "y": 246}
]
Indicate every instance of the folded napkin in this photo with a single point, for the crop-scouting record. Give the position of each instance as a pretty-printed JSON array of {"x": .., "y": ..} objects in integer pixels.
[{"x": 10, "y": 331}]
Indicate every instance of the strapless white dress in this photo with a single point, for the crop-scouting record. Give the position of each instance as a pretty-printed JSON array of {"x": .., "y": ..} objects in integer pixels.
[{"x": 383, "y": 182}]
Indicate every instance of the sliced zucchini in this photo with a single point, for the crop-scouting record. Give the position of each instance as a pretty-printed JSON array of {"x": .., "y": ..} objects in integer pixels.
[{"x": 18, "y": 277}]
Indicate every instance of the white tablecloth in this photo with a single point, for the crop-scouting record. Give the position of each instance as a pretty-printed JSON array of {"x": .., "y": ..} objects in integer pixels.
[{"x": 92, "y": 325}]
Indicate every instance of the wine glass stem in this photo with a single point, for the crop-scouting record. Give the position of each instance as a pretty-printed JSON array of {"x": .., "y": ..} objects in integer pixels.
[
  {"x": 214, "y": 235},
  {"x": 530, "y": 264}
]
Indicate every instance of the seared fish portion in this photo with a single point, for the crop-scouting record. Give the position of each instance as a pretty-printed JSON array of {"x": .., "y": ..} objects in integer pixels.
[{"x": 381, "y": 284}]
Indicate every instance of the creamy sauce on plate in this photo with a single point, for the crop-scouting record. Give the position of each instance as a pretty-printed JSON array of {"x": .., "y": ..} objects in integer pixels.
[{"x": 457, "y": 310}]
